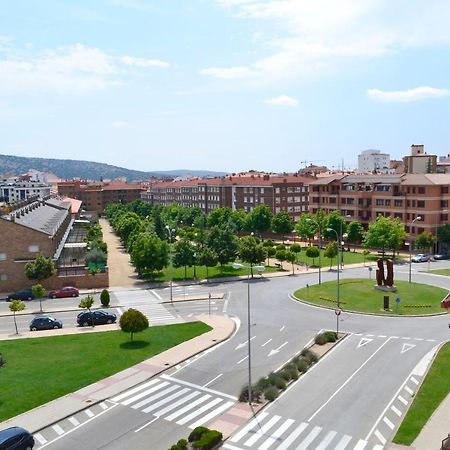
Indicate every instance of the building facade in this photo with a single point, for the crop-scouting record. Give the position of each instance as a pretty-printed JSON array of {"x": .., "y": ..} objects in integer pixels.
[
  {"x": 18, "y": 189},
  {"x": 374, "y": 161},
  {"x": 280, "y": 192}
]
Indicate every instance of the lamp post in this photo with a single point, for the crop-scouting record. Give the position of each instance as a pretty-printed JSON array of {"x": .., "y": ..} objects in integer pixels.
[
  {"x": 170, "y": 230},
  {"x": 249, "y": 268},
  {"x": 341, "y": 239},
  {"x": 331, "y": 230},
  {"x": 320, "y": 247},
  {"x": 410, "y": 244}
]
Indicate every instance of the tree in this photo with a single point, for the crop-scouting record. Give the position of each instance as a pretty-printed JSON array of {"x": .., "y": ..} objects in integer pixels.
[
  {"x": 105, "y": 298},
  {"x": 133, "y": 321},
  {"x": 208, "y": 258},
  {"x": 38, "y": 291},
  {"x": 95, "y": 256},
  {"x": 149, "y": 254},
  {"x": 259, "y": 219},
  {"x": 219, "y": 217},
  {"x": 355, "y": 233},
  {"x": 251, "y": 251},
  {"x": 271, "y": 251},
  {"x": 331, "y": 251},
  {"x": 40, "y": 269},
  {"x": 296, "y": 249},
  {"x": 385, "y": 233},
  {"x": 184, "y": 254},
  {"x": 443, "y": 234},
  {"x": 312, "y": 252},
  {"x": 223, "y": 242},
  {"x": 306, "y": 229},
  {"x": 336, "y": 222},
  {"x": 16, "y": 306},
  {"x": 158, "y": 224},
  {"x": 281, "y": 256},
  {"x": 94, "y": 232},
  {"x": 291, "y": 257},
  {"x": 87, "y": 303},
  {"x": 127, "y": 224},
  {"x": 424, "y": 241},
  {"x": 239, "y": 219},
  {"x": 282, "y": 223}
]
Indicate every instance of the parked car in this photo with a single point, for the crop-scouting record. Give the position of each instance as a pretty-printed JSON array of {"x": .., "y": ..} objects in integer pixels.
[
  {"x": 23, "y": 294},
  {"x": 441, "y": 256},
  {"x": 421, "y": 257},
  {"x": 67, "y": 291},
  {"x": 16, "y": 438},
  {"x": 99, "y": 317},
  {"x": 45, "y": 323}
]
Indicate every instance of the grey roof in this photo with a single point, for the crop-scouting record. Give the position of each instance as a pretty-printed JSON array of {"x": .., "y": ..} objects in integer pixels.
[{"x": 58, "y": 203}]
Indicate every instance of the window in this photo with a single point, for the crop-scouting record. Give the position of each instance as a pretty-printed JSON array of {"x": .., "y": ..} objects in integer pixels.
[
  {"x": 444, "y": 189},
  {"x": 421, "y": 190},
  {"x": 398, "y": 203},
  {"x": 33, "y": 248},
  {"x": 387, "y": 202},
  {"x": 420, "y": 204},
  {"x": 3, "y": 277},
  {"x": 444, "y": 204},
  {"x": 379, "y": 202},
  {"x": 2, "y": 256}
]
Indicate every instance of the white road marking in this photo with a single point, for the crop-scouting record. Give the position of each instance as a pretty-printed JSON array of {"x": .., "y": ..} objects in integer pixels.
[
  {"x": 363, "y": 342},
  {"x": 165, "y": 410},
  {"x": 388, "y": 422},
  {"x": 311, "y": 436},
  {"x": 343, "y": 442},
  {"x": 360, "y": 445},
  {"x": 336, "y": 392},
  {"x": 146, "y": 425},
  {"x": 74, "y": 421},
  {"x": 423, "y": 364},
  {"x": 145, "y": 393},
  {"x": 103, "y": 405},
  {"x": 416, "y": 382},
  {"x": 166, "y": 400},
  {"x": 243, "y": 359},
  {"x": 405, "y": 402},
  {"x": 89, "y": 413},
  {"x": 276, "y": 434},
  {"x": 212, "y": 381},
  {"x": 155, "y": 396},
  {"x": 211, "y": 415},
  {"x": 155, "y": 294},
  {"x": 370, "y": 335},
  {"x": 260, "y": 417},
  {"x": 58, "y": 430},
  {"x": 292, "y": 437},
  {"x": 181, "y": 411},
  {"x": 328, "y": 438},
  {"x": 231, "y": 447},
  {"x": 265, "y": 343},
  {"x": 41, "y": 439},
  {"x": 381, "y": 438},
  {"x": 283, "y": 327},
  {"x": 418, "y": 339},
  {"x": 199, "y": 411},
  {"x": 406, "y": 347},
  {"x": 243, "y": 344},
  {"x": 409, "y": 390},
  {"x": 276, "y": 350},
  {"x": 382, "y": 336},
  {"x": 260, "y": 432},
  {"x": 405, "y": 338},
  {"x": 117, "y": 398},
  {"x": 396, "y": 410}
]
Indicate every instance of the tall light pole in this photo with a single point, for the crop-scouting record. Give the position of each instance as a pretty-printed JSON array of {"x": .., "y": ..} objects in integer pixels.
[
  {"x": 170, "y": 230},
  {"x": 331, "y": 230},
  {"x": 341, "y": 238},
  {"x": 249, "y": 268},
  {"x": 320, "y": 247},
  {"x": 410, "y": 244}
]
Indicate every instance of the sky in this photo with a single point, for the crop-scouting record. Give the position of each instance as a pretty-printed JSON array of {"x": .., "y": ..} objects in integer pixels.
[{"x": 226, "y": 85}]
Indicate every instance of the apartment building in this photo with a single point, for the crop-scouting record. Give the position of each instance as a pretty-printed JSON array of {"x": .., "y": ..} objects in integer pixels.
[
  {"x": 280, "y": 192},
  {"x": 406, "y": 196},
  {"x": 95, "y": 196},
  {"x": 17, "y": 189},
  {"x": 374, "y": 160}
]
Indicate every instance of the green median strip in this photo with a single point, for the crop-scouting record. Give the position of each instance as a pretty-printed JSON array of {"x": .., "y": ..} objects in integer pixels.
[
  {"x": 39, "y": 370},
  {"x": 433, "y": 391}
]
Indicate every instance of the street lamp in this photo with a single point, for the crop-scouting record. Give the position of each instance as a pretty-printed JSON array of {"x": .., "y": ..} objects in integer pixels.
[
  {"x": 170, "y": 230},
  {"x": 331, "y": 230},
  {"x": 249, "y": 268},
  {"x": 410, "y": 244},
  {"x": 341, "y": 238},
  {"x": 320, "y": 247}
]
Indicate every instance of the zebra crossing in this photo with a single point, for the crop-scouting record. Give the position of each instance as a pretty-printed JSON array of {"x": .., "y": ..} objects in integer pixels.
[
  {"x": 149, "y": 303},
  {"x": 176, "y": 401},
  {"x": 267, "y": 432}
]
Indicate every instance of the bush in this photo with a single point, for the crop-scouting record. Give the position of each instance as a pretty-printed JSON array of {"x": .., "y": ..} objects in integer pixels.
[
  {"x": 320, "y": 339},
  {"x": 273, "y": 378},
  {"x": 302, "y": 365},
  {"x": 271, "y": 393},
  {"x": 280, "y": 383},
  {"x": 208, "y": 440},
  {"x": 330, "y": 335},
  {"x": 243, "y": 396},
  {"x": 309, "y": 356},
  {"x": 284, "y": 374},
  {"x": 293, "y": 373},
  {"x": 263, "y": 383},
  {"x": 182, "y": 444},
  {"x": 104, "y": 298},
  {"x": 196, "y": 433}
]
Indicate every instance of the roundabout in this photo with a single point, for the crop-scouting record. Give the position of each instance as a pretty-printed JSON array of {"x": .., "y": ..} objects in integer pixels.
[{"x": 360, "y": 295}]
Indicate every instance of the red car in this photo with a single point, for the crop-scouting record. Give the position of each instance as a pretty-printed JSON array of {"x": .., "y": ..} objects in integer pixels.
[{"x": 67, "y": 291}]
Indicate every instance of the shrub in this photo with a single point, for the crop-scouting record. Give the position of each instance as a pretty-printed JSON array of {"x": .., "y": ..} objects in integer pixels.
[
  {"x": 290, "y": 365},
  {"x": 330, "y": 335},
  {"x": 293, "y": 373},
  {"x": 284, "y": 374},
  {"x": 263, "y": 383},
  {"x": 196, "y": 433},
  {"x": 320, "y": 339},
  {"x": 280, "y": 383},
  {"x": 302, "y": 365},
  {"x": 304, "y": 352},
  {"x": 271, "y": 393},
  {"x": 182, "y": 444},
  {"x": 208, "y": 440},
  {"x": 104, "y": 298},
  {"x": 243, "y": 396},
  {"x": 309, "y": 356}
]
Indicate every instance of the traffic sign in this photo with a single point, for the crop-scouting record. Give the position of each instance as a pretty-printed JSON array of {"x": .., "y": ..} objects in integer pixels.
[
  {"x": 338, "y": 312},
  {"x": 397, "y": 299}
]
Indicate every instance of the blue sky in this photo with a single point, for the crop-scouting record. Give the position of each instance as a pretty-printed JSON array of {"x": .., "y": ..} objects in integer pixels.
[{"x": 224, "y": 85}]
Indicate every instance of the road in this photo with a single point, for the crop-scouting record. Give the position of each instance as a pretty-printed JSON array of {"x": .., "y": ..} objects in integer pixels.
[{"x": 353, "y": 398}]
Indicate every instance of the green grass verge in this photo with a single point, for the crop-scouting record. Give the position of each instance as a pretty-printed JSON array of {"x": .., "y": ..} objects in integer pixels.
[
  {"x": 38, "y": 370},
  {"x": 360, "y": 295},
  {"x": 441, "y": 272},
  {"x": 433, "y": 391}
]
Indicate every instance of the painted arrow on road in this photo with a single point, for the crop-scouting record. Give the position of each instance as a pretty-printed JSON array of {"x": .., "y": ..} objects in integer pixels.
[
  {"x": 276, "y": 350},
  {"x": 363, "y": 342},
  {"x": 244, "y": 343}
]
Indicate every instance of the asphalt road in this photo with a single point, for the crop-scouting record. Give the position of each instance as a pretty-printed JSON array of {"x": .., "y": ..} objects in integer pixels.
[{"x": 353, "y": 398}]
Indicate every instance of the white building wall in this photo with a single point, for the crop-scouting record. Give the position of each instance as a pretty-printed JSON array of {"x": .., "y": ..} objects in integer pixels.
[{"x": 370, "y": 160}]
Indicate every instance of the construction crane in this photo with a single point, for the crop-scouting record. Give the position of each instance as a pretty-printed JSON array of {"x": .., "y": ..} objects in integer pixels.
[{"x": 310, "y": 162}]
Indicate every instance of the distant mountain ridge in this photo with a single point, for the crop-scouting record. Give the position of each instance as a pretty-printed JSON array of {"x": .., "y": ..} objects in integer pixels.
[{"x": 71, "y": 168}]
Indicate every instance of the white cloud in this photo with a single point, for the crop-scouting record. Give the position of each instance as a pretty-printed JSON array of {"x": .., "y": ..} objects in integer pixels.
[
  {"x": 227, "y": 73},
  {"x": 410, "y": 95},
  {"x": 120, "y": 124},
  {"x": 281, "y": 100},
  {"x": 74, "y": 69},
  {"x": 315, "y": 35},
  {"x": 141, "y": 62}
]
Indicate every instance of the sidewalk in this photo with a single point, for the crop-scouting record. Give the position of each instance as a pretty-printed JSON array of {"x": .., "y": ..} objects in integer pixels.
[{"x": 56, "y": 410}]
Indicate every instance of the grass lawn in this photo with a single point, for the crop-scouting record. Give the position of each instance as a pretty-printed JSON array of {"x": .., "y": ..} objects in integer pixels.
[
  {"x": 434, "y": 389},
  {"x": 441, "y": 271},
  {"x": 360, "y": 295},
  {"x": 38, "y": 370}
]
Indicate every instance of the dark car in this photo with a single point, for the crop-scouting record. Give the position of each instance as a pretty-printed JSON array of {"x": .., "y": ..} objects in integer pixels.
[
  {"x": 441, "y": 256},
  {"x": 99, "y": 317},
  {"x": 24, "y": 294},
  {"x": 16, "y": 438},
  {"x": 67, "y": 291},
  {"x": 45, "y": 323}
]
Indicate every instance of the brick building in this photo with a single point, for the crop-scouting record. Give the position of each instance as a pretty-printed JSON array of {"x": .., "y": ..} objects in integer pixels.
[
  {"x": 95, "y": 196},
  {"x": 280, "y": 192},
  {"x": 406, "y": 196}
]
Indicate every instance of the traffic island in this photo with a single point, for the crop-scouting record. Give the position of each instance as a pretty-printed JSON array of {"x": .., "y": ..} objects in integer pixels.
[{"x": 359, "y": 295}]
